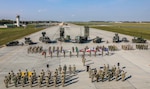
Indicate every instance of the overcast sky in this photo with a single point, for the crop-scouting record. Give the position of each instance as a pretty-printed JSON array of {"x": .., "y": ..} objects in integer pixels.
[{"x": 76, "y": 10}]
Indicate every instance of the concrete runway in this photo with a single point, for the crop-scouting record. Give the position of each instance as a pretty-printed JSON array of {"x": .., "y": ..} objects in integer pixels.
[{"x": 137, "y": 62}]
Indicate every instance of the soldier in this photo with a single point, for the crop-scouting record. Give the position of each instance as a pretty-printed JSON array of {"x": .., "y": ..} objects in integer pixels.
[
  {"x": 25, "y": 78},
  {"x": 73, "y": 49},
  {"x": 97, "y": 77},
  {"x": 102, "y": 76},
  {"x": 49, "y": 74},
  {"x": 63, "y": 80},
  {"x": 53, "y": 49},
  {"x": 39, "y": 80},
  {"x": 34, "y": 75},
  {"x": 9, "y": 78},
  {"x": 6, "y": 81},
  {"x": 47, "y": 81},
  {"x": 77, "y": 49},
  {"x": 30, "y": 81},
  {"x": 61, "y": 48},
  {"x": 90, "y": 72},
  {"x": 70, "y": 71},
  {"x": 18, "y": 78},
  {"x": 64, "y": 53},
  {"x": 70, "y": 53},
  {"x": 22, "y": 81},
  {"x": 92, "y": 76},
  {"x": 74, "y": 69},
  {"x": 117, "y": 74},
  {"x": 123, "y": 75},
  {"x": 57, "y": 53},
  {"x": 49, "y": 49},
  {"x": 57, "y": 48},
  {"x": 59, "y": 69},
  {"x": 12, "y": 75},
  {"x": 15, "y": 80},
  {"x": 65, "y": 68},
  {"x": 55, "y": 80},
  {"x": 27, "y": 74},
  {"x": 56, "y": 72},
  {"x": 109, "y": 75},
  {"x": 104, "y": 67}
]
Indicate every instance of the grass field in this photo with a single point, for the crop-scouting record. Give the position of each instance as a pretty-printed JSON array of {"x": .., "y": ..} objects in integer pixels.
[
  {"x": 132, "y": 29},
  {"x": 10, "y": 34}
]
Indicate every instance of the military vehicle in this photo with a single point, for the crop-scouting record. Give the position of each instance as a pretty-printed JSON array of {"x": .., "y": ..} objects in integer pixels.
[
  {"x": 97, "y": 40},
  {"x": 13, "y": 43},
  {"x": 124, "y": 39},
  {"x": 44, "y": 39},
  {"x": 138, "y": 40},
  {"x": 116, "y": 38},
  {"x": 28, "y": 41},
  {"x": 83, "y": 39},
  {"x": 62, "y": 37}
]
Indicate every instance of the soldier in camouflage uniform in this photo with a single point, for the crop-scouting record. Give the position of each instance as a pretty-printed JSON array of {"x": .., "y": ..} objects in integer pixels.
[
  {"x": 39, "y": 80},
  {"x": 47, "y": 81},
  {"x": 59, "y": 69},
  {"x": 74, "y": 69},
  {"x": 6, "y": 81},
  {"x": 63, "y": 80},
  {"x": 123, "y": 75},
  {"x": 70, "y": 71},
  {"x": 65, "y": 68}
]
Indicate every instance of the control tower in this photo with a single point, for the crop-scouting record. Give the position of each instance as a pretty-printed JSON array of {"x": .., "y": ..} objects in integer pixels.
[{"x": 18, "y": 21}]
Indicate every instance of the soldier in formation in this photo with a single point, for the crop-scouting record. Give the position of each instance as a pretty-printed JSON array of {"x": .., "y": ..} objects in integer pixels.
[
  {"x": 107, "y": 74},
  {"x": 127, "y": 47},
  {"x": 142, "y": 46}
]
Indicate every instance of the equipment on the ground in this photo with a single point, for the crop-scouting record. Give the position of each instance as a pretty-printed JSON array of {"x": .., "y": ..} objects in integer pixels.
[
  {"x": 62, "y": 36},
  {"x": 83, "y": 39},
  {"x": 124, "y": 39},
  {"x": 28, "y": 41},
  {"x": 44, "y": 39},
  {"x": 138, "y": 40},
  {"x": 97, "y": 40},
  {"x": 116, "y": 38},
  {"x": 13, "y": 43}
]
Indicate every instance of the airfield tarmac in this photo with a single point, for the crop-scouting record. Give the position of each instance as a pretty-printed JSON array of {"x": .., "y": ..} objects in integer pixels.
[{"x": 136, "y": 62}]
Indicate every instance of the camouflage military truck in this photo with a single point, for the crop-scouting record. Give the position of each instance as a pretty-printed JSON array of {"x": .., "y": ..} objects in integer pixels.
[
  {"x": 97, "y": 40},
  {"x": 116, "y": 38},
  {"x": 138, "y": 40},
  {"x": 44, "y": 39},
  {"x": 28, "y": 41}
]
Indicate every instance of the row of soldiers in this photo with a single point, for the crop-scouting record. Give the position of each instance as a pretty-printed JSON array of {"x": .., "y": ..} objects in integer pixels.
[
  {"x": 30, "y": 78},
  {"x": 106, "y": 74},
  {"x": 35, "y": 49},
  {"x": 127, "y": 47},
  {"x": 112, "y": 48},
  {"x": 142, "y": 46}
]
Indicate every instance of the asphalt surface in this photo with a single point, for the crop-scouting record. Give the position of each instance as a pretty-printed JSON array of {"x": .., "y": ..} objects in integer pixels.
[{"x": 135, "y": 62}]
